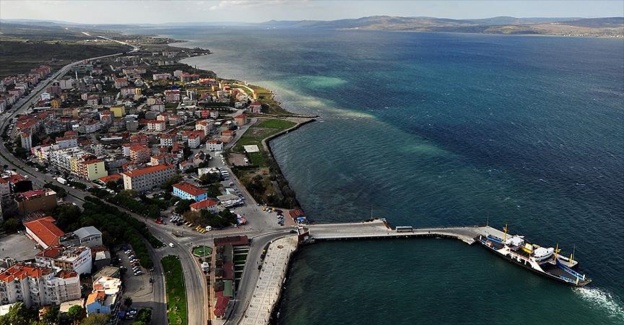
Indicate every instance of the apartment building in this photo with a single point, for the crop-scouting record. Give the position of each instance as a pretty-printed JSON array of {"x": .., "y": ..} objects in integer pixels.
[
  {"x": 36, "y": 200},
  {"x": 140, "y": 154},
  {"x": 147, "y": 178},
  {"x": 187, "y": 191},
  {"x": 106, "y": 296},
  {"x": 37, "y": 286},
  {"x": 70, "y": 259}
]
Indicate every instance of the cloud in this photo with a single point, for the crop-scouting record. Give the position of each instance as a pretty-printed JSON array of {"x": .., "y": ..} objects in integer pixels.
[{"x": 225, "y": 4}]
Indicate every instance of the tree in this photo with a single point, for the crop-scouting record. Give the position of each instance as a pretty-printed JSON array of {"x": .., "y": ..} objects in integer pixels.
[
  {"x": 209, "y": 178},
  {"x": 168, "y": 185},
  {"x": 67, "y": 216},
  {"x": 76, "y": 313},
  {"x": 51, "y": 315},
  {"x": 11, "y": 225},
  {"x": 183, "y": 206},
  {"x": 97, "y": 319},
  {"x": 114, "y": 185},
  {"x": 127, "y": 302},
  {"x": 18, "y": 315},
  {"x": 213, "y": 190}
]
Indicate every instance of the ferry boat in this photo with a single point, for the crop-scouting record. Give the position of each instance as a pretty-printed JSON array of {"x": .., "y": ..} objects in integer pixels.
[{"x": 541, "y": 260}]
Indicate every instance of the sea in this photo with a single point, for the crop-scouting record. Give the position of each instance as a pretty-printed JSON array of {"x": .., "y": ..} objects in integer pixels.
[{"x": 443, "y": 129}]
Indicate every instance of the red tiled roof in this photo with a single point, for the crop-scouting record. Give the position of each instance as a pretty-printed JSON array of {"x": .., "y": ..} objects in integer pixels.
[
  {"x": 138, "y": 147},
  {"x": 189, "y": 188},
  {"x": 146, "y": 170},
  {"x": 34, "y": 193},
  {"x": 220, "y": 306},
  {"x": 67, "y": 274},
  {"x": 51, "y": 252},
  {"x": 45, "y": 230},
  {"x": 111, "y": 178},
  {"x": 295, "y": 213},
  {"x": 228, "y": 270},
  {"x": 203, "y": 204},
  {"x": 14, "y": 178},
  {"x": 232, "y": 240},
  {"x": 21, "y": 271}
]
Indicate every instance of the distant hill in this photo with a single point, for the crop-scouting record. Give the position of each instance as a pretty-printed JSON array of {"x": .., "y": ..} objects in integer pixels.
[
  {"x": 568, "y": 26},
  {"x": 610, "y": 22},
  {"x": 612, "y": 26}
]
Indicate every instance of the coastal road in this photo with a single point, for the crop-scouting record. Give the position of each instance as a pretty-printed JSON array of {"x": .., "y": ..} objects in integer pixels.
[
  {"x": 251, "y": 274},
  {"x": 262, "y": 228}
]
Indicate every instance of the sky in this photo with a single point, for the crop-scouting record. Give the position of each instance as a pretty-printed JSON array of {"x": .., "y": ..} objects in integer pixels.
[{"x": 175, "y": 11}]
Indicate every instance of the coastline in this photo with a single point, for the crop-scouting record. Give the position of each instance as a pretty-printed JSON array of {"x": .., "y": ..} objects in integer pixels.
[{"x": 301, "y": 119}]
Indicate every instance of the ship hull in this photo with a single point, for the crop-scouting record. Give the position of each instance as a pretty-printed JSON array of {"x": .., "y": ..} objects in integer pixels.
[{"x": 530, "y": 268}]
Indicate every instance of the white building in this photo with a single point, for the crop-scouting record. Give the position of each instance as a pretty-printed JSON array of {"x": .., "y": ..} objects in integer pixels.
[
  {"x": 5, "y": 190},
  {"x": 26, "y": 140},
  {"x": 67, "y": 83},
  {"x": 194, "y": 141},
  {"x": 147, "y": 178},
  {"x": 167, "y": 140},
  {"x": 63, "y": 158},
  {"x": 204, "y": 125},
  {"x": 214, "y": 145},
  {"x": 38, "y": 286},
  {"x": 156, "y": 125},
  {"x": 66, "y": 142},
  {"x": 89, "y": 236},
  {"x": 76, "y": 259}
]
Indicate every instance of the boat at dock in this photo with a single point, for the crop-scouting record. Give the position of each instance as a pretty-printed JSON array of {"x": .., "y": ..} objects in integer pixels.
[{"x": 541, "y": 260}]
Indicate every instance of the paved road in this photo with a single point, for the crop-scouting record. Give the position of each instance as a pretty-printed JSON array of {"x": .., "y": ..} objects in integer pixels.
[{"x": 262, "y": 228}]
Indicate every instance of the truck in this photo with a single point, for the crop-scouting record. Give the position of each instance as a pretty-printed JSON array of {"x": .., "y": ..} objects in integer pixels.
[{"x": 61, "y": 180}]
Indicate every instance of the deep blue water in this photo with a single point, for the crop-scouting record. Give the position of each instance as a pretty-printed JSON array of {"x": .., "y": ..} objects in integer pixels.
[{"x": 445, "y": 129}]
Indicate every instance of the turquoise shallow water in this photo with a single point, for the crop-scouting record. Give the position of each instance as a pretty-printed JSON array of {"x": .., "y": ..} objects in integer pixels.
[{"x": 445, "y": 129}]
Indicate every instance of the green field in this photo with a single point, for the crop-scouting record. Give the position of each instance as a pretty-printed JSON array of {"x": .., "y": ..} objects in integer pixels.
[
  {"x": 201, "y": 251},
  {"x": 176, "y": 292},
  {"x": 276, "y": 124},
  {"x": 256, "y": 134}
]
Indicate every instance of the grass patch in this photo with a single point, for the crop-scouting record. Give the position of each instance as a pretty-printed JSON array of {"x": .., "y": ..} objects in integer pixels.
[
  {"x": 176, "y": 293},
  {"x": 240, "y": 258},
  {"x": 256, "y": 134},
  {"x": 276, "y": 124},
  {"x": 201, "y": 251}
]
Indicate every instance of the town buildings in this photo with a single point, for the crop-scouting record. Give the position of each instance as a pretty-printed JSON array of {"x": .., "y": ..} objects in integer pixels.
[
  {"x": 106, "y": 296},
  {"x": 188, "y": 191},
  {"x": 71, "y": 259},
  {"x": 208, "y": 205},
  {"x": 147, "y": 178},
  {"x": 44, "y": 232},
  {"x": 38, "y": 286},
  {"x": 36, "y": 200}
]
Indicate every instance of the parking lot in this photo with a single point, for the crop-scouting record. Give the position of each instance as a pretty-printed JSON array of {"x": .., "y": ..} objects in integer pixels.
[
  {"x": 137, "y": 287},
  {"x": 18, "y": 247}
]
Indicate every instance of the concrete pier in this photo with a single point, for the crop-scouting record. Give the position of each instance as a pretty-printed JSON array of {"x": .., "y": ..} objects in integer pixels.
[
  {"x": 267, "y": 291},
  {"x": 269, "y": 286},
  {"x": 378, "y": 229}
]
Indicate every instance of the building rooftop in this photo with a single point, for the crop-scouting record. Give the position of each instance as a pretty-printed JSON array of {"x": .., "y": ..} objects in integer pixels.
[
  {"x": 34, "y": 194},
  {"x": 21, "y": 271},
  {"x": 87, "y": 231},
  {"x": 203, "y": 204},
  {"x": 232, "y": 240},
  {"x": 146, "y": 170},
  {"x": 45, "y": 230},
  {"x": 189, "y": 188},
  {"x": 111, "y": 178}
]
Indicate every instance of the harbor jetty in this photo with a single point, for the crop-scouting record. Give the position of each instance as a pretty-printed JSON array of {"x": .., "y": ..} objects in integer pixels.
[
  {"x": 379, "y": 229},
  {"x": 267, "y": 291}
]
